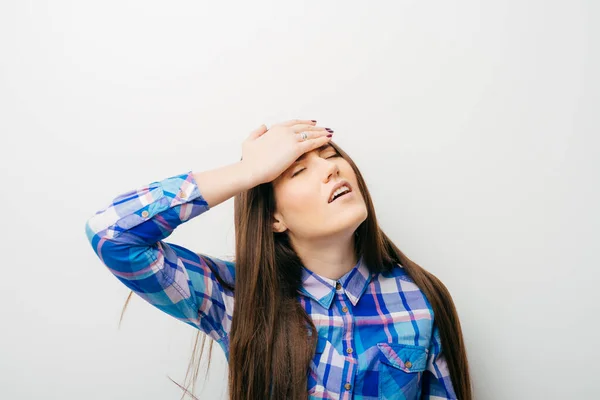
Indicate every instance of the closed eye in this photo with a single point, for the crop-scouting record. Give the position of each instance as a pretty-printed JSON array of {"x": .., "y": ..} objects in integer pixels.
[{"x": 297, "y": 172}]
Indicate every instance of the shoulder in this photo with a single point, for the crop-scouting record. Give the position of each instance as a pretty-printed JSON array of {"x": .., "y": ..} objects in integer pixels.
[
  {"x": 398, "y": 281},
  {"x": 397, "y": 276}
]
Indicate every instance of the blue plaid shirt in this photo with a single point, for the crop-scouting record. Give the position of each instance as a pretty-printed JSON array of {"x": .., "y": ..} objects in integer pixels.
[{"x": 377, "y": 338}]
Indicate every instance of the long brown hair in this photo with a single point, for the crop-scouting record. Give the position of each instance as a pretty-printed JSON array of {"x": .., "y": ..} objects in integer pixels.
[{"x": 267, "y": 316}]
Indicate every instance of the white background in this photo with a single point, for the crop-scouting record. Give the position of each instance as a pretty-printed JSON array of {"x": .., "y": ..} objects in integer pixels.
[{"x": 474, "y": 123}]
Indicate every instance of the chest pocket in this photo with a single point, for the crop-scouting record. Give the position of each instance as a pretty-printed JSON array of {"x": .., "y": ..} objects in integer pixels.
[{"x": 400, "y": 370}]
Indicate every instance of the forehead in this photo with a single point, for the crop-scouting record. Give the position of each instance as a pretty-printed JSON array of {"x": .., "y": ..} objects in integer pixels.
[{"x": 318, "y": 150}]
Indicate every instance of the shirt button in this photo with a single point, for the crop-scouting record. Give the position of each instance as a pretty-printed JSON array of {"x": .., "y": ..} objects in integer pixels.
[
  {"x": 349, "y": 350},
  {"x": 338, "y": 286},
  {"x": 345, "y": 309},
  {"x": 144, "y": 213},
  {"x": 408, "y": 364},
  {"x": 348, "y": 386}
]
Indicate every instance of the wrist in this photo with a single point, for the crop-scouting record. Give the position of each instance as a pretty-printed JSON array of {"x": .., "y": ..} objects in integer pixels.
[{"x": 249, "y": 179}]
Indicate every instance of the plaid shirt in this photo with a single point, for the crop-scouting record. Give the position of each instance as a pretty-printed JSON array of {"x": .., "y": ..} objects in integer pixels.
[{"x": 376, "y": 334}]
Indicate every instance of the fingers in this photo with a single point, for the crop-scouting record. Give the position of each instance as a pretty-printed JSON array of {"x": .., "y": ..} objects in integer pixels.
[
  {"x": 308, "y": 145},
  {"x": 297, "y": 122},
  {"x": 304, "y": 127},
  {"x": 310, "y": 135},
  {"x": 297, "y": 125}
]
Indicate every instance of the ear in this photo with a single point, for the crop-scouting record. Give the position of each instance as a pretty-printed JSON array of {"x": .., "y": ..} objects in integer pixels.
[{"x": 278, "y": 224}]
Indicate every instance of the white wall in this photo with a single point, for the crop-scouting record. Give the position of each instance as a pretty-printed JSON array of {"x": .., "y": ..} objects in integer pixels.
[{"x": 474, "y": 123}]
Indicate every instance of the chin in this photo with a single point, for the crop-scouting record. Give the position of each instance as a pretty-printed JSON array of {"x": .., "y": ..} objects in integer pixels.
[{"x": 348, "y": 223}]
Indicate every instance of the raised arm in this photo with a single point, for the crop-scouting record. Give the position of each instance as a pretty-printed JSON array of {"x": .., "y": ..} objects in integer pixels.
[{"x": 128, "y": 237}]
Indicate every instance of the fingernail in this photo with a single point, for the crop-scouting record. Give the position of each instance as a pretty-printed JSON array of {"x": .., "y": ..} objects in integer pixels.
[
  {"x": 313, "y": 120},
  {"x": 329, "y": 130},
  {"x": 330, "y": 135}
]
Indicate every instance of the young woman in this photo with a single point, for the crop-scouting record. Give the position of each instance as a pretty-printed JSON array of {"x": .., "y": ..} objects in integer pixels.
[{"x": 326, "y": 306}]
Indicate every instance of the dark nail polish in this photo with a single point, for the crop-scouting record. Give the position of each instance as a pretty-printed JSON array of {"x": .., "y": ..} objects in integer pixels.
[
  {"x": 330, "y": 135},
  {"x": 329, "y": 130},
  {"x": 313, "y": 120}
]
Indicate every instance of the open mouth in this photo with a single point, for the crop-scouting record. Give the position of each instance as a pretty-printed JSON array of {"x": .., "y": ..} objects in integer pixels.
[{"x": 342, "y": 191}]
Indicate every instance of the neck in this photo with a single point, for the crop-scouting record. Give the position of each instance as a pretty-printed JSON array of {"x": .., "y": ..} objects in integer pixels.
[{"x": 331, "y": 257}]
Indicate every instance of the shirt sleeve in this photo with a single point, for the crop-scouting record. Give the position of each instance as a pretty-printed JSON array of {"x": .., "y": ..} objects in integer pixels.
[
  {"x": 437, "y": 384},
  {"x": 128, "y": 237}
]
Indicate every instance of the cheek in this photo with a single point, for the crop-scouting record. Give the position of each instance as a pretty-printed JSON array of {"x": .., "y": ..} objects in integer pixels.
[
  {"x": 301, "y": 200},
  {"x": 301, "y": 206}
]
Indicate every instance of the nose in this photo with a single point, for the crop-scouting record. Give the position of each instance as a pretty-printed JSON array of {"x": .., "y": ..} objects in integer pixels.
[{"x": 332, "y": 170}]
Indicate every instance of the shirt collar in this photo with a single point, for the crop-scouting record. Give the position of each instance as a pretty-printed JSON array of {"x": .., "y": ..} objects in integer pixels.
[{"x": 322, "y": 289}]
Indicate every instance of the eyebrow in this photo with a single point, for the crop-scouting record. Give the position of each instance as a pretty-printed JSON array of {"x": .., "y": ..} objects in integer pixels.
[{"x": 319, "y": 149}]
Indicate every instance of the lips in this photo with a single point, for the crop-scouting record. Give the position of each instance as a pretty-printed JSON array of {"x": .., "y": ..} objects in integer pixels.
[
  {"x": 344, "y": 194},
  {"x": 337, "y": 186}
]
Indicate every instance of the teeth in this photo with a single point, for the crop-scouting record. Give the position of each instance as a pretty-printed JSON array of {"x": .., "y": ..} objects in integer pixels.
[{"x": 339, "y": 191}]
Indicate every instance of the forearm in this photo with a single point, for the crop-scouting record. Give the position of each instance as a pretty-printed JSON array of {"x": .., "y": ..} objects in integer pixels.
[{"x": 220, "y": 184}]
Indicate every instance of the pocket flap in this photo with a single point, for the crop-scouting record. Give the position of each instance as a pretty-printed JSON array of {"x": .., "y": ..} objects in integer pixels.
[{"x": 409, "y": 358}]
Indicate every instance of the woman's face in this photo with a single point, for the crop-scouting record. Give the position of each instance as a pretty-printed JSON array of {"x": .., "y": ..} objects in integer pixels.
[{"x": 302, "y": 195}]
